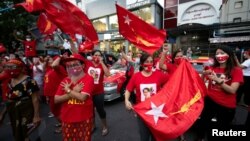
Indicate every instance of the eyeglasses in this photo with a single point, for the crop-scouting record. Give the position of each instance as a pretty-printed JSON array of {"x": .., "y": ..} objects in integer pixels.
[
  {"x": 11, "y": 67},
  {"x": 72, "y": 65}
]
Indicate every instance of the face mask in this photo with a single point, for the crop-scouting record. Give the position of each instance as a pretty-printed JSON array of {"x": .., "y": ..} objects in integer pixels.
[
  {"x": 14, "y": 73},
  {"x": 177, "y": 61},
  {"x": 148, "y": 67},
  {"x": 75, "y": 71},
  {"x": 28, "y": 39},
  {"x": 96, "y": 59},
  {"x": 222, "y": 58}
]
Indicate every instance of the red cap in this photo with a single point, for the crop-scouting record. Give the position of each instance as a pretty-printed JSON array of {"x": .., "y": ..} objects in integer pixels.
[
  {"x": 17, "y": 62},
  {"x": 75, "y": 56}
]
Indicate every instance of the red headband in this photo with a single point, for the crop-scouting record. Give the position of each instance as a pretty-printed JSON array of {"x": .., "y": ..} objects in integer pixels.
[{"x": 16, "y": 62}]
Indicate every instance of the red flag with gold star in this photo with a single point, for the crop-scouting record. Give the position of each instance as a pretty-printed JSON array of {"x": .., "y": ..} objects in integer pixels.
[
  {"x": 31, "y": 5},
  {"x": 173, "y": 110},
  {"x": 140, "y": 33},
  {"x": 44, "y": 25}
]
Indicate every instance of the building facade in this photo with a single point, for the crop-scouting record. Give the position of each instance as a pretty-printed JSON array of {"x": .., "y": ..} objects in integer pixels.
[
  {"x": 203, "y": 25},
  {"x": 102, "y": 13}
]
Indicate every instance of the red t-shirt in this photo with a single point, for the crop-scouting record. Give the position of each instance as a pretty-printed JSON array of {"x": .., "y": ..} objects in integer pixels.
[
  {"x": 97, "y": 73},
  {"x": 52, "y": 80},
  {"x": 171, "y": 68},
  {"x": 4, "y": 79},
  {"x": 146, "y": 86},
  {"x": 74, "y": 110},
  {"x": 30, "y": 48},
  {"x": 216, "y": 93}
]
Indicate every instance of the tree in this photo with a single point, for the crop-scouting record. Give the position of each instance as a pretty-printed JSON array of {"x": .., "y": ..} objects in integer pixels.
[{"x": 14, "y": 19}]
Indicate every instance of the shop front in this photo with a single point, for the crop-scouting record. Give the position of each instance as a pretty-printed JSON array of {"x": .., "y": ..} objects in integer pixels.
[{"x": 107, "y": 28}]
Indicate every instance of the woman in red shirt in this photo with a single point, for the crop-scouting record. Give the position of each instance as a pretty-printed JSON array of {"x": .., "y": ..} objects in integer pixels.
[
  {"x": 97, "y": 69},
  {"x": 146, "y": 79},
  {"x": 75, "y": 96},
  {"x": 224, "y": 80},
  {"x": 170, "y": 67}
]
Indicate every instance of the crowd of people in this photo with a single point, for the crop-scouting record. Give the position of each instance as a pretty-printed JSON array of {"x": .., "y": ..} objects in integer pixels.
[{"x": 72, "y": 84}]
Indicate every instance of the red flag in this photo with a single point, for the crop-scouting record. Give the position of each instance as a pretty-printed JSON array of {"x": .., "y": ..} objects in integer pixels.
[
  {"x": 2, "y": 48},
  {"x": 86, "y": 46},
  {"x": 44, "y": 25},
  {"x": 58, "y": 12},
  {"x": 90, "y": 32},
  {"x": 31, "y": 5},
  {"x": 174, "y": 109},
  {"x": 141, "y": 34},
  {"x": 70, "y": 19}
]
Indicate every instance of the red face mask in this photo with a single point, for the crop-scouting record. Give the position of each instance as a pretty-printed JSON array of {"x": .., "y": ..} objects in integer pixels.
[
  {"x": 14, "y": 73},
  {"x": 74, "y": 71},
  {"x": 96, "y": 59},
  {"x": 148, "y": 67},
  {"x": 177, "y": 61},
  {"x": 221, "y": 58}
]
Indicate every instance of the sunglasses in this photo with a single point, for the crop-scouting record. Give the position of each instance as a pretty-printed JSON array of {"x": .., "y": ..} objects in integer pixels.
[{"x": 11, "y": 67}]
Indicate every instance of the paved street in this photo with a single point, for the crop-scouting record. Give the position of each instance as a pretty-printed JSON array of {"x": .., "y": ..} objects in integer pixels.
[{"x": 122, "y": 125}]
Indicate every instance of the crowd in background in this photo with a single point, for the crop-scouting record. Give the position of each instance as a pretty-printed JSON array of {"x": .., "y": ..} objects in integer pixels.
[{"x": 27, "y": 79}]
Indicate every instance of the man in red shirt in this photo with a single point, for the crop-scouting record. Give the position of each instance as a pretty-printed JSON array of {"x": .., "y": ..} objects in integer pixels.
[{"x": 29, "y": 45}]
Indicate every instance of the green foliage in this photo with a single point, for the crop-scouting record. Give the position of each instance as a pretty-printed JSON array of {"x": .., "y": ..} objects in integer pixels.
[{"x": 13, "y": 19}]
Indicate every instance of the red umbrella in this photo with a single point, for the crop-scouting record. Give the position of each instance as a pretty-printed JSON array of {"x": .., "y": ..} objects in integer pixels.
[{"x": 2, "y": 48}]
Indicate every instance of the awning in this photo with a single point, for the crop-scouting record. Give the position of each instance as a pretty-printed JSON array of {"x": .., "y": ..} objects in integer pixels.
[{"x": 229, "y": 39}]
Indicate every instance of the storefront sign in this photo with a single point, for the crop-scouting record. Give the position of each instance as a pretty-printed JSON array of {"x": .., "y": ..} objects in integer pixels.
[
  {"x": 136, "y": 3},
  {"x": 197, "y": 12}
]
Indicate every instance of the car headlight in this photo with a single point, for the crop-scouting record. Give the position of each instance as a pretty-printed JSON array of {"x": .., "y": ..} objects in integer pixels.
[{"x": 110, "y": 84}]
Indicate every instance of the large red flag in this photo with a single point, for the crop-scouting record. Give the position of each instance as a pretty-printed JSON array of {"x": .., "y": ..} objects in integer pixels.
[
  {"x": 86, "y": 46},
  {"x": 140, "y": 33},
  {"x": 44, "y": 25},
  {"x": 31, "y": 5},
  {"x": 58, "y": 12},
  {"x": 90, "y": 32},
  {"x": 70, "y": 19},
  {"x": 174, "y": 109}
]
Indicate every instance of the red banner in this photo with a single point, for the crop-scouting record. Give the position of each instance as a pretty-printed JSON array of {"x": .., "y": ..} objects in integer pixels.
[
  {"x": 44, "y": 25},
  {"x": 174, "y": 109},
  {"x": 31, "y": 5},
  {"x": 140, "y": 33}
]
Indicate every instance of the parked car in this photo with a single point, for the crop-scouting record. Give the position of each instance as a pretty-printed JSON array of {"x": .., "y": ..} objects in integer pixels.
[
  {"x": 113, "y": 85},
  {"x": 200, "y": 62}
]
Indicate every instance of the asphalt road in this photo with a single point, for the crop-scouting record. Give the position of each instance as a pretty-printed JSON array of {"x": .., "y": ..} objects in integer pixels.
[{"x": 122, "y": 125}]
